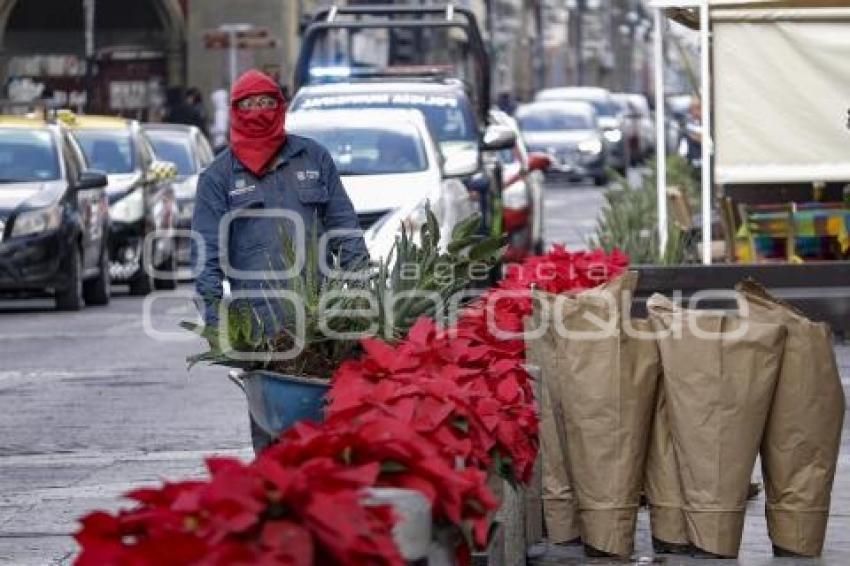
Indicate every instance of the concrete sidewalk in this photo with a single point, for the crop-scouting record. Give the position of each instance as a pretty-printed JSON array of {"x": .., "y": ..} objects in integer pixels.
[{"x": 756, "y": 549}]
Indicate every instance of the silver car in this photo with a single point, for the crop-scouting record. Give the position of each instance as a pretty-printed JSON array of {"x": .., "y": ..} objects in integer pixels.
[
  {"x": 608, "y": 113},
  {"x": 568, "y": 132}
]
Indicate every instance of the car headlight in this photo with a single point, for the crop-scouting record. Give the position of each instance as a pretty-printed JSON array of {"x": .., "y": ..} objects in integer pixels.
[
  {"x": 131, "y": 208},
  {"x": 592, "y": 146},
  {"x": 37, "y": 221},
  {"x": 613, "y": 136}
]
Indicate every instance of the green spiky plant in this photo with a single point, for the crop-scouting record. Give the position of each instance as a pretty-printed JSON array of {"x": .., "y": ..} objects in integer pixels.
[
  {"x": 417, "y": 279},
  {"x": 628, "y": 220}
]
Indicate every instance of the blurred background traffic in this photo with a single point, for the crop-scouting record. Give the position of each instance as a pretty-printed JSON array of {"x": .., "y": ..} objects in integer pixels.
[{"x": 521, "y": 110}]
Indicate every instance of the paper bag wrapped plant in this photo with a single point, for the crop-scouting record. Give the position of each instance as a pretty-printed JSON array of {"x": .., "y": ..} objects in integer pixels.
[
  {"x": 559, "y": 505},
  {"x": 803, "y": 433},
  {"x": 607, "y": 379},
  {"x": 663, "y": 487},
  {"x": 720, "y": 373}
]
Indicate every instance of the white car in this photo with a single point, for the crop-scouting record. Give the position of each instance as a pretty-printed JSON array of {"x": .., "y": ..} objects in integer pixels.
[{"x": 392, "y": 170}]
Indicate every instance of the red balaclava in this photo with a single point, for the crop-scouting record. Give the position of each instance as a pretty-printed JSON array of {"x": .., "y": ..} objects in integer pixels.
[{"x": 256, "y": 135}]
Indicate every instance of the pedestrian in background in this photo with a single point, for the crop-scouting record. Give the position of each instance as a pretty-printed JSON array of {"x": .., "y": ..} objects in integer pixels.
[
  {"x": 220, "y": 121},
  {"x": 178, "y": 110},
  {"x": 195, "y": 100}
]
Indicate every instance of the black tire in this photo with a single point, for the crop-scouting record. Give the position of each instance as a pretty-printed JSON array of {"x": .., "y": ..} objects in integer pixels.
[
  {"x": 142, "y": 283},
  {"x": 71, "y": 297},
  {"x": 600, "y": 180},
  {"x": 169, "y": 266},
  {"x": 98, "y": 291}
]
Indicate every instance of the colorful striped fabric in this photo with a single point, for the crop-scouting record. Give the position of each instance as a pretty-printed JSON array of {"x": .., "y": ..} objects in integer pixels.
[{"x": 815, "y": 226}]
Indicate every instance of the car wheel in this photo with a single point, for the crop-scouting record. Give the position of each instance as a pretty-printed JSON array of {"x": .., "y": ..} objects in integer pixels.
[
  {"x": 71, "y": 297},
  {"x": 98, "y": 291},
  {"x": 169, "y": 267},
  {"x": 142, "y": 283},
  {"x": 600, "y": 180}
]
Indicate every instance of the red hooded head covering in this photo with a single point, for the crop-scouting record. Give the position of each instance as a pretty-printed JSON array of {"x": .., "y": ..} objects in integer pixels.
[{"x": 256, "y": 135}]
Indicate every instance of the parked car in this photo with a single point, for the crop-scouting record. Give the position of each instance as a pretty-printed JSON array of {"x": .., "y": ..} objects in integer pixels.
[
  {"x": 608, "y": 113},
  {"x": 522, "y": 196},
  {"x": 141, "y": 200},
  {"x": 392, "y": 169},
  {"x": 568, "y": 132},
  {"x": 189, "y": 150},
  {"x": 54, "y": 222}
]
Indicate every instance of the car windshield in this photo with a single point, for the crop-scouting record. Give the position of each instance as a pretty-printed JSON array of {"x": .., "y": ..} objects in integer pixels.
[
  {"x": 449, "y": 116},
  {"x": 553, "y": 121},
  {"x": 27, "y": 155},
  {"x": 605, "y": 108},
  {"x": 174, "y": 147},
  {"x": 371, "y": 150},
  {"x": 110, "y": 151}
]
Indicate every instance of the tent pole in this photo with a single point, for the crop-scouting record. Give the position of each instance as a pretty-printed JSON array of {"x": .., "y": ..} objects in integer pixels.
[
  {"x": 707, "y": 149},
  {"x": 660, "y": 131}
]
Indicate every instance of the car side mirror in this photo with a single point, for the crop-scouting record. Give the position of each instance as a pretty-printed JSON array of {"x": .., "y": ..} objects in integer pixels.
[
  {"x": 497, "y": 138},
  {"x": 539, "y": 161},
  {"x": 461, "y": 164},
  {"x": 91, "y": 179},
  {"x": 161, "y": 171}
]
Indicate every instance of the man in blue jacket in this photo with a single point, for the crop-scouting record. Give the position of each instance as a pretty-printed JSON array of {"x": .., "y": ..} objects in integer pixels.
[{"x": 266, "y": 183}]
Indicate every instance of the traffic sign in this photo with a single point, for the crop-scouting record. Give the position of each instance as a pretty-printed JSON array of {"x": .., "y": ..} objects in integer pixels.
[{"x": 250, "y": 38}]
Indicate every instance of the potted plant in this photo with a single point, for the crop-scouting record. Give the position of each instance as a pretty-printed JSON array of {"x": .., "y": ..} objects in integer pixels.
[{"x": 419, "y": 278}]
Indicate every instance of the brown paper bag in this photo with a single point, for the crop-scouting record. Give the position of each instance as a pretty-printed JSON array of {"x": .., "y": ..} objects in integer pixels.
[
  {"x": 607, "y": 391},
  {"x": 662, "y": 485},
  {"x": 803, "y": 434},
  {"x": 720, "y": 373},
  {"x": 559, "y": 504}
]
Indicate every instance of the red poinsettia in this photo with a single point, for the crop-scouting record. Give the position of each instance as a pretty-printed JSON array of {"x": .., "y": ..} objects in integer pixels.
[
  {"x": 406, "y": 459},
  {"x": 259, "y": 513},
  {"x": 561, "y": 271},
  {"x": 462, "y": 388}
]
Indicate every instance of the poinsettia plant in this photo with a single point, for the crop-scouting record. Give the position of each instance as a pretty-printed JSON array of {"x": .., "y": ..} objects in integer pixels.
[
  {"x": 259, "y": 513},
  {"x": 474, "y": 404},
  {"x": 459, "y": 497}
]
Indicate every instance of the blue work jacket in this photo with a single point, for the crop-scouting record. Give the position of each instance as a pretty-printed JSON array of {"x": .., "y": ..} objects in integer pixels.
[{"x": 240, "y": 220}]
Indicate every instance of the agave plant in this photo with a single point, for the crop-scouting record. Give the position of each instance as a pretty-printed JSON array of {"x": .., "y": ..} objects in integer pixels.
[
  {"x": 628, "y": 219},
  {"x": 337, "y": 309}
]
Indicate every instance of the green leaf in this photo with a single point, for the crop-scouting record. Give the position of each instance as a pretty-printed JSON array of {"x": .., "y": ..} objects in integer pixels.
[
  {"x": 466, "y": 228},
  {"x": 392, "y": 467},
  {"x": 487, "y": 249},
  {"x": 461, "y": 424},
  {"x": 433, "y": 228}
]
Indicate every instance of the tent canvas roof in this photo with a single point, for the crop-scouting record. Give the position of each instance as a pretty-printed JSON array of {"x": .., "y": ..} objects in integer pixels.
[{"x": 690, "y": 16}]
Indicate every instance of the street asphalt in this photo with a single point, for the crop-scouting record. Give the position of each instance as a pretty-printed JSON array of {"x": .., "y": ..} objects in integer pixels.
[{"x": 98, "y": 402}]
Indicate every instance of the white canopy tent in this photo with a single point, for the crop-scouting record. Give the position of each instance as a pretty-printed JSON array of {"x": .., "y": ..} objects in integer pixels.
[{"x": 778, "y": 95}]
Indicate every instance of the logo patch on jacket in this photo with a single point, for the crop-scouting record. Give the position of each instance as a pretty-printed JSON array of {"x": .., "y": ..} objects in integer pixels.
[
  {"x": 241, "y": 187},
  {"x": 307, "y": 175}
]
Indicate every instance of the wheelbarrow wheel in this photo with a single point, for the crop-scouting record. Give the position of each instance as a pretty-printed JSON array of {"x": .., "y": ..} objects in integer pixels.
[{"x": 259, "y": 437}]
